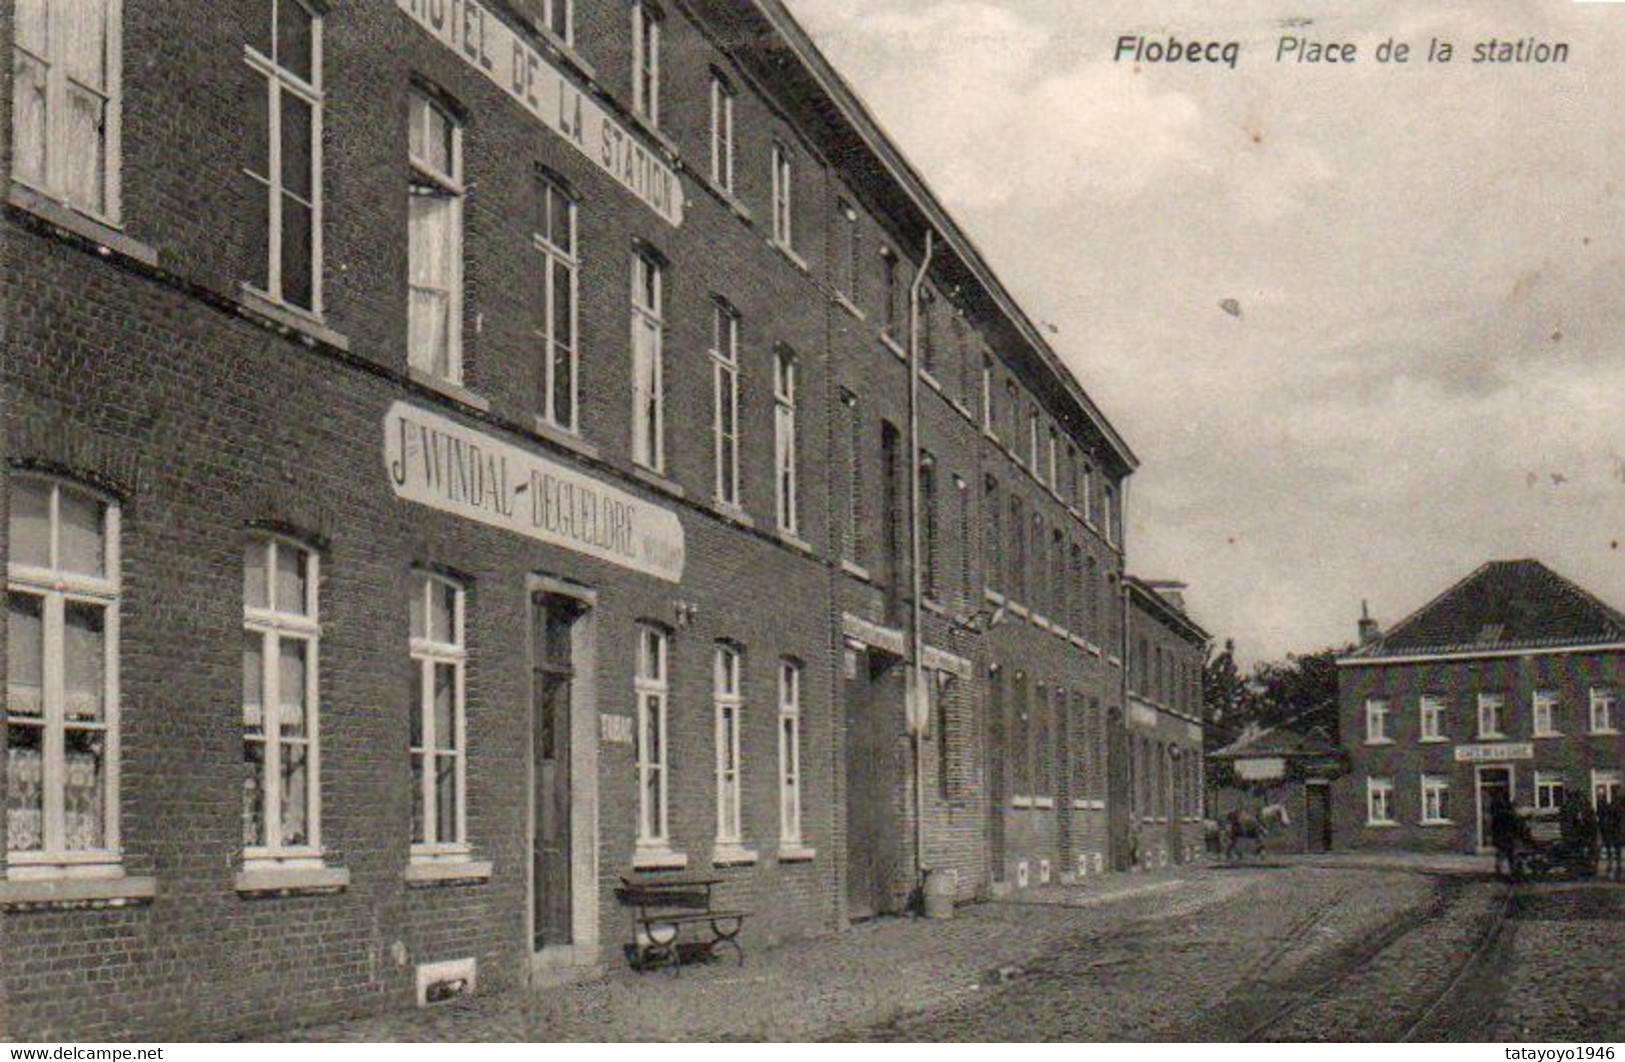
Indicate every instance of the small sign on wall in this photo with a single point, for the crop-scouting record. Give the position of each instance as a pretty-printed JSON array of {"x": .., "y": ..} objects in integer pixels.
[
  {"x": 1263, "y": 769},
  {"x": 615, "y": 729}
]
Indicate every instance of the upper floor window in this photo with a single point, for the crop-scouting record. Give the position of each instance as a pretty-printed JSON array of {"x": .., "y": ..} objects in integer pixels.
[
  {"x": 646, "y": 62},
  {"x": 438, "y": 651},
  {"x": 1032, "y": 443},
  {"x": 281, "y": 750},
  {"x": 891, "y": 277},
  {"x": 729, "y": 704},
  {"x": 1603, "y": 701},
  {"x": 852, "y": 442},
  {"x": 1088, "y": 490},
  {"x": 555, "y": 241},
  {"x": 1431, "y": 712},
  {"x": 993, "y": 529},
  {"x": 722, "y": 133},
  {"x": 66, "y": 102},
  {"x": 1543, "y": 706},
  {"x": 557, "y": 17},
  {"x": 785, "y": 458},
  {"x": 848, "y": 252},
  {"x": 435, "y": 240},
  {"x": 988, "y": 411},
  {"x": 61, "y": 711},
  {"x": 1376, "y": 722},
  {"x": 725, "y": 401},
  {"x": 930, "y": 565},
  {"x": 784, "y": 187},
  {"x": 1054, "y": 460},
  {"x": 1489, "y": 715},
  {"x": 928, "y": 342},
  {"x": 1110, "y": 514},
  {"x": 648, "y": 381},
  {"x": 285, "y": 161}
]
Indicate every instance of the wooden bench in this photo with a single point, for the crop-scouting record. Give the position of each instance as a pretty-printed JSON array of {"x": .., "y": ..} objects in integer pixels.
[{"x": 665, "y": 909}]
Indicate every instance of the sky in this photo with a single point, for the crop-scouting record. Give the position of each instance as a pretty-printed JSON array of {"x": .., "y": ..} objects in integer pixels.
[{"x": 1427, "y": 370}]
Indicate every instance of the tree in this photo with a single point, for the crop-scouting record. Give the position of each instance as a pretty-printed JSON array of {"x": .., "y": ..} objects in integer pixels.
[
  {"x": 1227, "y": 703},
  {"x": 1300, "y": 691}
]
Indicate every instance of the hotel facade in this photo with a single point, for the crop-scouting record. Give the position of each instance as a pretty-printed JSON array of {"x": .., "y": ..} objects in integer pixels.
[{"x": 460, "y": 455}]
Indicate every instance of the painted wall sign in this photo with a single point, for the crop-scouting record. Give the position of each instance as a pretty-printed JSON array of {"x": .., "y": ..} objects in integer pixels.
[
  {"x": 1485, "y": 753},
  {"x": 489, "y": 45},
  {"x": 437, "y": 462},
  {"x": 615, "y": 729},
  {"x": 1262, "y": 769}
]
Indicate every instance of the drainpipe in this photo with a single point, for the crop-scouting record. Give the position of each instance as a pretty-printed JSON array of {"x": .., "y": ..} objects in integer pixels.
[
  {"x": 1123, "y": 643},
  {"x": 921, "y": 704}
]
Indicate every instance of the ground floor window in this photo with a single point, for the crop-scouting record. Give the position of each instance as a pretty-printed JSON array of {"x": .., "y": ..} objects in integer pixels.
[
  {"x": 1379, "y": 801},
  {"x": 790, "y": 751},
  {"x": 651, "y": 690},
  {"x": 436, "y": 725},
  {"x": 1548, "y": 790},
  {"x": 1605, "y": 785},
  {"x": 1435, "y": 799},
  {"x": 729, "y": 703}
]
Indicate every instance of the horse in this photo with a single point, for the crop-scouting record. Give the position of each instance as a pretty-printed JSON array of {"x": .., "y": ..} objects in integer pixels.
[
  {"x": 1243, "y": 824},
  {"x": 1611, "y": 832}
]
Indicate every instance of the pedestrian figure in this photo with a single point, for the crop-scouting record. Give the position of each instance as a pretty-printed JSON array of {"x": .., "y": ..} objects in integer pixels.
[
  {"x": 1611, "y": 832},
  {"x": 1505, "y": 829}
]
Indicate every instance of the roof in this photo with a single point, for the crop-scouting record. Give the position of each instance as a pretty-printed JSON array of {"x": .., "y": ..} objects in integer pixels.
[
  {"x": 1288, "y": 744},
  {"x": 1502, "y": 605},
  {"x": 855, "y": 113},
  {"x": 1166, "y": 611}
]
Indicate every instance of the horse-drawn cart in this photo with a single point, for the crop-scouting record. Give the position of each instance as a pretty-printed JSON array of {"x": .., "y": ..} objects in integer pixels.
[{"x": 1550, "y": 844}]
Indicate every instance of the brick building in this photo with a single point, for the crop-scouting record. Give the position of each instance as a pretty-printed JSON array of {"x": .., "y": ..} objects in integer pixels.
[
  {"x": 1508, "y": 682},
  {"x": 1159, "y": 783},
  {"x": 458, "y": 455}
]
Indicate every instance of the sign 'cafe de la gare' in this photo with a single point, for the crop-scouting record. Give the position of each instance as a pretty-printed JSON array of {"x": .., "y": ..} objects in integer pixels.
[{"x": 437, "y": 462}]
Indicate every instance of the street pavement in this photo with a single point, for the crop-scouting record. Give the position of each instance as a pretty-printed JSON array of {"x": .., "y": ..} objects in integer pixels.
[{"x": 1296, "y": 950}]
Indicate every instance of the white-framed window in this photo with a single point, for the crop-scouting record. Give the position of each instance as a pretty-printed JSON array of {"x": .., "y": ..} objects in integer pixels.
[
  {"x": 987, "y": 396},
  {"x": 1603, "y": 702},
  {"x": 435, "y": 239},
  {"x": 1543, "y": 706},
  {"x": 930, "y": 536},
  {"x": 1490, "y": 707},
  {"x": 648, "y": 356},
  {"x": 1109, "y": 513},
  {"x": 1435, "y": 799},
  {"x": 281, "y": 706},
  {"x": 651, "y": 686},
  {"x": 285, "y": 164},
  {"x": 1549, "y": 790},
  {"x": 66, "y": 99},
  {"x": 1088, "y": 489},
  {"x": 790, "y": 751},
  {"x": 725, "y": 401},
  {"x": 1430, "y": 710},
  {"x": 62, "y": 680},
  {"x": 1605, "y": 785},
  {"x": 1379, "y": 801},
  {"x": 892, "y": 281},
  {"x": 556, "y": 241},
  {"x": 848, "y": 253},
  {"x": 1376, "y": 721},
  {"x": 1054, "y": 460},
  {"x": 852, "y": 509},
  {"x": 729, "y": 702},
  {"x": 557, "y": 17},
  {"x": 646, "y": 62},
  {"x": 1033, "y": 444},
  {"x": 722, "y": 132},
  {"x": 438, "y": 727},
  {"x": 785, "y": 457},
  {"x": 784, "y": 180}
]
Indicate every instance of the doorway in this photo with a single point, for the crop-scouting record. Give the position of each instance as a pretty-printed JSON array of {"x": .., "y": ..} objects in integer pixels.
[
  {"x": 1317, "y": 816},
  {"x": 874, "y": 713},
  {"x": 561, "y": 723},
  {"x": 1493, "y": 783}
]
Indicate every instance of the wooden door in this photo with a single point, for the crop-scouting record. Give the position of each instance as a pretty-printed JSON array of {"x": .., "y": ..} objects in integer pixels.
[
  {"x": 1317, "y": 817},
  {"x": 554, "y": 619},
  {"x": 871, "y": 827}
]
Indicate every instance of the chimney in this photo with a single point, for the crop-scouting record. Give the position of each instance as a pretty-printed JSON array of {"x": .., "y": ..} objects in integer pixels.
[{"x": 1369, "y": 631}]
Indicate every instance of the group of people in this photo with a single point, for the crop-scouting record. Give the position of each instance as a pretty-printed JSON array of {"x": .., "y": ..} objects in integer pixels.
[{"x": 1587, "y": 835}]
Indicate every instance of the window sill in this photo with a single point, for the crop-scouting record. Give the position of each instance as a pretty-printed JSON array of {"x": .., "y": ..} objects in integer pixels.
[
  {"x": 727, "y": 199},
  {"x": 1374, "y": 742},
  {"x": 794, "y": 541},
  {"x": 648, "y": 127},
  {"x": 109, "y": 890},
  {"x": 732, "y": 513},
  {"x": 1021, "y": 802},
  {"x": 1433, "y": 741},
  {"x": 1603, "y": 733},
  {"x": 728, "y": 854},
  {"x": 796, "y": 853},
  {"x": 936, "y": 607},
  {"x": 1426, "y": 823},
  {"x": 1018, "y": 609},
  {"x": 291, "y": 880},
  {"x": 790, "y": 254},
  {"x": 992, "y": 597},
  {"x": 423, "y": 873},
  {"x": 1043, "y": 803},
  {"x": 558, "y": 436},
  {"x": 892, "y": 345},
  {"x": 261, "y": 305},
  {"x": 447, "y": 389},
  {"x": 1372, "y": 825},
  {"x": 657, "y": 857},
  {"x": 1546, "y": 734},
  {"x": 1114, "y": 661},
  {"x": 1041, "y": 622},
  {"x": 659, "y": 482},
  {"x": 850, "y": 307},
  {"x": 74, "y": 223},
  {"x": 564, "y": 50},
  {"x": 856, "y": 571}
]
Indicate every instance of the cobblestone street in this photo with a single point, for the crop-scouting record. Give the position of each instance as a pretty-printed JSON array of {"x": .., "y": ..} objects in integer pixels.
[{"x": 1291, "y": 952}]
